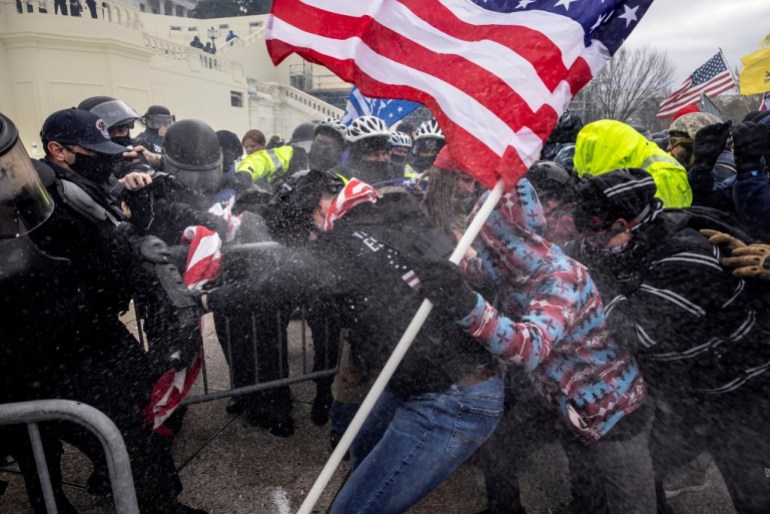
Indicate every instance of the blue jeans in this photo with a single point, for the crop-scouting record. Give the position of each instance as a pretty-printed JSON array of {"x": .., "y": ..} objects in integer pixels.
[{"x": 405, "y": 449}]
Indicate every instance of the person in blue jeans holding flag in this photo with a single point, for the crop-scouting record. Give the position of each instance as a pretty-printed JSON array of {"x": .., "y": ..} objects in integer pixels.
[{"x": 348, "y": 241}]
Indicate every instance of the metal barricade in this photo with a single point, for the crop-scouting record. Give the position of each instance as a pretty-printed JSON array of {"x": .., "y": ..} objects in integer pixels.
[
  {"x": 259, "y": 258},
  {"x": 302, "y": 374},
  {"x": 33, "y": 412}
]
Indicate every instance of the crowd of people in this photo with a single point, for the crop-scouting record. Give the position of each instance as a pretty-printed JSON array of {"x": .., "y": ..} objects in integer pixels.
[
  {"x": 63, "y": 7},
  {"x": 613, "y": 302}
]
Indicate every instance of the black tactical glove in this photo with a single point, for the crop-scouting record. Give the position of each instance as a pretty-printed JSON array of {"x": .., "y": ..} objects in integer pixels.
[
  {"x": 750, "y": 145},
  {"x": 709, "y": 143},
  {"x": 443, "y": 283}
]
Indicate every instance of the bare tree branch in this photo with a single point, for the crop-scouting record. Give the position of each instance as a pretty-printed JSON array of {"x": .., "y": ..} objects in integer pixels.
[{"x": 628, "y": 84}]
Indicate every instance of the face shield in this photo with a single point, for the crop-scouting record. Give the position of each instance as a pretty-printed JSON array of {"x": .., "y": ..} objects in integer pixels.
[
  {"x": 116, "y": 113},
  {"x": 159, "y": 121},
  {"x": 24, "y": 201},
  {"x": 204, "y": 179}
]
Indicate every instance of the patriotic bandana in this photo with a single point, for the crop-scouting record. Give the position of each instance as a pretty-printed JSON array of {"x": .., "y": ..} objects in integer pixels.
[{"x": 354, "y": 193}]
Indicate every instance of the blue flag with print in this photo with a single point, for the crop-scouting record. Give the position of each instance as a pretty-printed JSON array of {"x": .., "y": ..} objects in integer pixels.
[{"x": 389, "y": 110}]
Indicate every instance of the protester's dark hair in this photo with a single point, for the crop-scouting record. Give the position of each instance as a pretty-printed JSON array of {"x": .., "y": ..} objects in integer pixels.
[{"x": 289, "y": 214}]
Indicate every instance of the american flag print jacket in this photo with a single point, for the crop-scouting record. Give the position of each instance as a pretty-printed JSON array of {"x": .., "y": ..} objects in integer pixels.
[{"x": 551, "y": 319}]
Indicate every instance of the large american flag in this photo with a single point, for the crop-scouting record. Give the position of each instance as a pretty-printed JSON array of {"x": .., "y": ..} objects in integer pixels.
[
  {"x": 712, "y": 78},
  {"x": 496, "y": 73}
]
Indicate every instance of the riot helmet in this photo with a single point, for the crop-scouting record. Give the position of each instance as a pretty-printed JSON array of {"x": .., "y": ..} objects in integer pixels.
[
  {"x": 114, "y": 113},
  {"x": 158, "y": 117},
  {"x": 24, "y": 201},
  {"x": 302, "y": 136},
  {"x": 191, "y": 153},
  {"x": 566, "y": 131},
  {"x": 552, "y": 180}
]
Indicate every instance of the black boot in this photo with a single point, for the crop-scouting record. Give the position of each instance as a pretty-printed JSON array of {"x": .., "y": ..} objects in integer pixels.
[
  {"x": 319, "y": 413},
  {"x": 273, "y": 412},
  {"x": 236, "y": 405}
]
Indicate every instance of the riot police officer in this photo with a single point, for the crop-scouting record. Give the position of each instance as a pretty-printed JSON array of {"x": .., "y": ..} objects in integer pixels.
[{"x": 98, "y": 360}]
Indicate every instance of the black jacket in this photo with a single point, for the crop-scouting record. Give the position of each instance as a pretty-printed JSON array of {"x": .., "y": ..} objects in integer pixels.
[
  {"x": 367, "y": 261},
  {"x": 692, "y": 324}
]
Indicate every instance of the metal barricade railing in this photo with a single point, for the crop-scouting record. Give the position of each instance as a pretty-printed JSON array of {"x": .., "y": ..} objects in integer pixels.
[
  {"x": 294, "y": 374},
  {"x": 33, "y": 412}
]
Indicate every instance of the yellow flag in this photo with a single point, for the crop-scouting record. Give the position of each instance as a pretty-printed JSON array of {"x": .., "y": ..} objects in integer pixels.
[{"x": 755, "y": 76}]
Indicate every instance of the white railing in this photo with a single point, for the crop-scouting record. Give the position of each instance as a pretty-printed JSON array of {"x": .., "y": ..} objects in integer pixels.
[
  {"x": 257, "y": 35},
  {"x": 167, "y": 48},
  {"x": 295, "y": 99},
  {"x": 301, "y": 100},
  {"x": 112, "y": 12}
]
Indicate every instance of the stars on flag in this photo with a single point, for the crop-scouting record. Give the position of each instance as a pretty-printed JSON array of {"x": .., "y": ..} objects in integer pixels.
[
  {"x": 629, "y": 14},
  {"x": 565, "y": 4}
]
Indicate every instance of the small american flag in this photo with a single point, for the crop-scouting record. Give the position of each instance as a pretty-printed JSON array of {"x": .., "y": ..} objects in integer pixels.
[
  {"x": 712, "y": 78},
  {"x": 764, "y": 103},
  {"x": 496, "y": 74}
]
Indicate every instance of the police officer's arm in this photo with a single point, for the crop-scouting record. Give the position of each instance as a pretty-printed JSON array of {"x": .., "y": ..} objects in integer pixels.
[
  {"x": 301, "y": 276},
  {"x": 136, "y": 180},
  {"x": 150, "y": 268},
  {"x": 139, "y": 152}
]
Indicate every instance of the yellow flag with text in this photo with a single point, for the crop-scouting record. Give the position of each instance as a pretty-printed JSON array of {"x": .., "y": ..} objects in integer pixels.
[{"x": 755, "y": 76}]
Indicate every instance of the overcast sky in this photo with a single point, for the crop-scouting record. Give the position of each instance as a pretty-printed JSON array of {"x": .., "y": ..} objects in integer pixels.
[{"x": 692, "y": 31}]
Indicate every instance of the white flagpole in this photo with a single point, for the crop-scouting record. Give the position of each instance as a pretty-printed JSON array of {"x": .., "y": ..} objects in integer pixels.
[
  {"x": 396, "y": 357},
  {"x": 736, "y": 80}
]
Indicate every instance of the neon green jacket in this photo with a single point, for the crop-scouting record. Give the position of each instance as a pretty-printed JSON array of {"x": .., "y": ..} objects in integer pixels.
[
  {"x": 607, "y": 145},
  {"x": 267, "y": 164}
]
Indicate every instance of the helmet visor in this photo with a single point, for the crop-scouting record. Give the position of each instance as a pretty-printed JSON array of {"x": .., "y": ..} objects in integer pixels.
[
  {"x": 156, "y": 121},
  {"x": 115, "y": 113},
  {"x": 24, "y": 201},
  {"x": 202, "y": 181}
]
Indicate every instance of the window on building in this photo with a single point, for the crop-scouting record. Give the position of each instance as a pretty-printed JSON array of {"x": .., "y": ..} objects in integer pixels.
[
  {"x": 142, "y": 7},
  {"x": 236, "y": 99}
]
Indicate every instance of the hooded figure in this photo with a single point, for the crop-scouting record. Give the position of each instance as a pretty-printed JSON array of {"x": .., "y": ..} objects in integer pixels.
[
  {"x": 694, "y": 327},
  {"x": 606, "y": 145}
]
